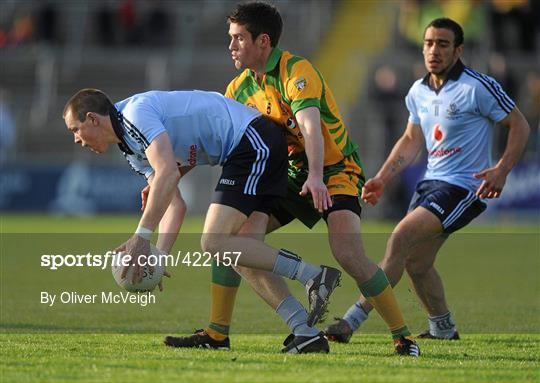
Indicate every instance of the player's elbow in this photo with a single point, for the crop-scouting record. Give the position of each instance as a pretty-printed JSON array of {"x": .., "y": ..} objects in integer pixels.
[
  {"x": 518, "y": 123},
  {"x": 181, "y": 206},
  {"x": 167, "y": 172},
  {"x": 175, "y": 175},
  {"x": 178, "y": 208}
]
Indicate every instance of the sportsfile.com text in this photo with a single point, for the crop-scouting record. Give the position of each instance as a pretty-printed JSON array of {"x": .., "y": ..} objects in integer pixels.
[{"x": 188, "y": 258}]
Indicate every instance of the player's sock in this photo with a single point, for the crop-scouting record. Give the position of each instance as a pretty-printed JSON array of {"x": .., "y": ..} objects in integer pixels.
[
  {"x": 442, "y": 326},
  {"x": 380, "y": 295},
  {"x": 217, "y": 335},
  {"x": 295, "y": 315},
  {"x": 291, "y": 266},
  {"x": 355, "y": 316},
  {"x": 225, "y": 282}
]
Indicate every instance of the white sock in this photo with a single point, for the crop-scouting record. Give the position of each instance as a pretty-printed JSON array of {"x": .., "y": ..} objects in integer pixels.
[
  {"x": 291, "y": 266},
  {"x": 295, "y": 315},
  {"x": 355, "y": 316},
  {"x": 442, "y": 326}
]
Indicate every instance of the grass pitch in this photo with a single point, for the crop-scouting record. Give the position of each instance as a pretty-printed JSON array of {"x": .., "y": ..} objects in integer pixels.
[
  {"x": 490, "y": 273},
  {"x": 256, "y": 358}
]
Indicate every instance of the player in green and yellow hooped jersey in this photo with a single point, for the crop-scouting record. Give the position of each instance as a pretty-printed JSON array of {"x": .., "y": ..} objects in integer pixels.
[{"x": 325, "y": 174}]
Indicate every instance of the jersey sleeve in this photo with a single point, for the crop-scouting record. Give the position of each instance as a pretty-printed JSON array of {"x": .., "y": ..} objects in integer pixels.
[
  {"x": 492, "y": 100},
  {"x": 411, "y": 107},
  {"x": 304, "y": 86},
  {"x": 144, "y": 118}
]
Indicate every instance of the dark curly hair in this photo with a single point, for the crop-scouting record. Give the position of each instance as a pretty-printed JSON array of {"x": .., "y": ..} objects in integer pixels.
[{"x": 258, "y": 17}]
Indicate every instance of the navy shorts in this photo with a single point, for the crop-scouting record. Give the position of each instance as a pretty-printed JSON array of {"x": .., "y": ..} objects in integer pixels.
[
  {"x": 295, "y": 206},
  {"x": 254, "y": 176},
  {"x": 453, "y": 205}
]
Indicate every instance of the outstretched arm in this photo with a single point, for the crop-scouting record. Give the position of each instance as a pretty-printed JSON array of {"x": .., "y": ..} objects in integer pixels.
[
  {"x": 494, "y": 178},
  {"x": 403, "y": 153}
]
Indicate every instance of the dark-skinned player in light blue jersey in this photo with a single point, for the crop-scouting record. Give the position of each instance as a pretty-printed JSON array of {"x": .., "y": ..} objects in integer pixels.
[{"x": 453, "y": 110}]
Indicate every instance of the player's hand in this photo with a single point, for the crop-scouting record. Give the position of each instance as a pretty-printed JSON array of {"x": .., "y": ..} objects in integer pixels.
[
  {"x": 493, "y": 182},
  {"x": 139, "y": 249},
  {"x": 165, "y": 274},
  {"x": 373, "y": 190},
  {"x": 120, "y": 249},
  {"x": 144, "y": 197},
  {"x": 319, "y": 193}
]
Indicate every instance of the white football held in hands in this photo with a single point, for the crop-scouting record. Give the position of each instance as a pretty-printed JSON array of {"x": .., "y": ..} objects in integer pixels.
[{"x": 150, "y": 280}]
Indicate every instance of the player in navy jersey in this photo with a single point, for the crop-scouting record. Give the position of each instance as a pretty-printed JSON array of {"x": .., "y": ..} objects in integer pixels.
[
  {"x": 453, "y": 110},
  {"x": 165, "y": 134}
]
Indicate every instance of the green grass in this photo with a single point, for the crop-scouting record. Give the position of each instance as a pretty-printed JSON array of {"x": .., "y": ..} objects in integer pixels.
[
  {"x": 490, "y": 273},
  {"x": 34, "y": 223},
  {"x": 256, "y": 358}
]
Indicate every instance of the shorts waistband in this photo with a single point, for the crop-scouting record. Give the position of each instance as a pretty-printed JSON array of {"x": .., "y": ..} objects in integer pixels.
[{"x": 256, "y": 121}]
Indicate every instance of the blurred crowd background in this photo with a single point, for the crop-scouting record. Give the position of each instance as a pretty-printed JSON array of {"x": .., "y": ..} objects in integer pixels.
[{"x": 369, "y": 52}]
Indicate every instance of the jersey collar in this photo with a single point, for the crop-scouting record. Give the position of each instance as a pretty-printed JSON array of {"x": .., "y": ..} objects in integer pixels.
[
  {"x": 117, "y": 123},
  {"x": 454, "y": 74},
  {"x": 273, "y": 59}
]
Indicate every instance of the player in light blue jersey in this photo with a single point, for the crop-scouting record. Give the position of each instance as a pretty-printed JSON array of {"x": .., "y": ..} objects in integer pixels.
[
  {"x": 165, "y": 134},
  {"x": 202, "y": 126},
  {"x": 453, "y": 110}
]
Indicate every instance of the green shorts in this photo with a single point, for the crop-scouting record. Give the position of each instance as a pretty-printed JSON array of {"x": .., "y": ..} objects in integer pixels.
[{"x": 344, "y": 179}]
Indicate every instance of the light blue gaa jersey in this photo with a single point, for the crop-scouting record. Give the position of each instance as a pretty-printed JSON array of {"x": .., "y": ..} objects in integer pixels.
[
  {"x": 457, "y": 122},
  {"x": 204, "y": 127}
]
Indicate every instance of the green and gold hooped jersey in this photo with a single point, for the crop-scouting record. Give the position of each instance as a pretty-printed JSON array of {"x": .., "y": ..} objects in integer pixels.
[{"x": 291, "y": 84}]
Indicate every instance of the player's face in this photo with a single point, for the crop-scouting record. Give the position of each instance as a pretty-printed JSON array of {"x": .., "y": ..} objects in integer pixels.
[
  {"x": 245, "y": 52},
  {"x": 87, "y": 133},
  {"x": 440, "y": 53}
]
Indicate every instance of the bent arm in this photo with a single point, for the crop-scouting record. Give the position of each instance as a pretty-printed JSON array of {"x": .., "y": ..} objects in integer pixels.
[
  {"x": 164, "y": 181},
  {"x": 518, "y": 134},
  {"x": 403, "y": 153},
  {"x": 494, "y": 179},
  {"x": 171, "y": 222}
]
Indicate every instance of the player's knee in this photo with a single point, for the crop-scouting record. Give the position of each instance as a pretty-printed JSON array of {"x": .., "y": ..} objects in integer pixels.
[
  {"x": 415, "y": 268},
  {"x": 211, "y": 243},
  {"x": 243, "y": 271},
  {"x": 345, "y": 255},
  {"x": 398, "y": 245}
]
